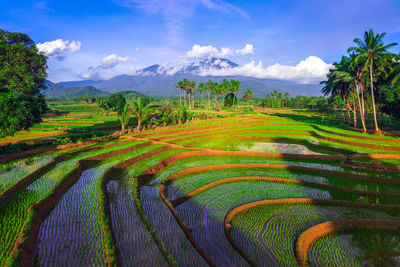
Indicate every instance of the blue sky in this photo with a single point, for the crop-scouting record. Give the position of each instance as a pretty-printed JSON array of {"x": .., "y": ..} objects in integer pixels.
[{"x": 103, "y": 38}]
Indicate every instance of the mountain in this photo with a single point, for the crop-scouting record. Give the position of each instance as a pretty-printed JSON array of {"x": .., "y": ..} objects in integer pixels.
[
  {"x": 79, "y": 83},
  {"x": 56, "y": 90},
  {"x": 158, "y": 80},
  {"x": 131, "y": 94}
]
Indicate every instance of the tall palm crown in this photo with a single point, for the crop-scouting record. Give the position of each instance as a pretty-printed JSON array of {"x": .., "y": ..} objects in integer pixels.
[
  {"x": 248, "y": 94},
  {"x": 202, "y": 88},
  {"x": 141, "y": 111},
  {"x": 223, "y": 87},
  {"x": 234, "y": 86},
  {"x": 371, "y": 48},
  {"x": 369, "y": 51},
  {"x": 339, "y": 78}
]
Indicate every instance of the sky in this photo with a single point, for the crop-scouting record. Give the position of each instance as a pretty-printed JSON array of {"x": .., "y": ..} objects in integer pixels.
[{"x": 283, "y": 39}]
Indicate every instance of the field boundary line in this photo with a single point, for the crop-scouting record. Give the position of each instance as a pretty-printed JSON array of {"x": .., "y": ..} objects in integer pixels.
[
  {"x": 211, "y": 185},
  {"x": 30, "y": 178},
  {"x": 337, "y": 174},
  {"x": 328, "y": 202},
  {"x": 308, "y": 237},
  {"x": 25, "y": 246}
]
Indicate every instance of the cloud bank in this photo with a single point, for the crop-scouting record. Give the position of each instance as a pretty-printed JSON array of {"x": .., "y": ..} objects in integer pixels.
[
  {"x": 312, "y": 70},
  {"x": 106, "y": 68},
  {"x": 58, "y": 49},
  {"x": 199, "y": 51},
  {"x": 248, "y": 49}
]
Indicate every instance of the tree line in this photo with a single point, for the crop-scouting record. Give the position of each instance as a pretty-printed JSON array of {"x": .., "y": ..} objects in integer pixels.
[
  {"x": 224, "y": 92},
  {"x": 366, "y": 80}
]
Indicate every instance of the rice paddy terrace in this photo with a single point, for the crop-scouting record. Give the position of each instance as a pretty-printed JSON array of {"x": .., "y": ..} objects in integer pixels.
[{"x": 249, "y": 190}]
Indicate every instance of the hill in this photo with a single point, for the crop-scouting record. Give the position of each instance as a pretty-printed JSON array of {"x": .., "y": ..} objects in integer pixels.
[{"x": 58, "y": 91}]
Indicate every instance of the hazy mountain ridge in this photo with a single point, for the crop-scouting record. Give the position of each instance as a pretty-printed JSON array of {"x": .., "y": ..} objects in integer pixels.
[{"x": 159, "y": 80}]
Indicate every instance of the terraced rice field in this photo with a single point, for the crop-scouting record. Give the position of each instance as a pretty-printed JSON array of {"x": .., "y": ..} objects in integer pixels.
[
  {"x": 83, "y": 120},
  {"x": 249, "y": 190}
]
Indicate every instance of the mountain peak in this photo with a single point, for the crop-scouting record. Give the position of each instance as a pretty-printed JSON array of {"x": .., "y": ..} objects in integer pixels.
[{"x": 187, "y": 68}]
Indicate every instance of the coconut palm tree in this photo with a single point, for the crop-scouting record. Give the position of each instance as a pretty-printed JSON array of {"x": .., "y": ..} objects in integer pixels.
[
  {"x": 210, "y": 86},
  {"x": 190, "y": 89},
  {"x": 202, "y": 88},
  {"x": 181, "y": 86},
  {"x": 222, "y": 89},
  {"x": 248, "y": 95},
  {"x": 368, "y": 51},
  {"x": 234, "y": 87},
  {"x": 124, "y": 115},
  {"x": 141, "y": 111}
]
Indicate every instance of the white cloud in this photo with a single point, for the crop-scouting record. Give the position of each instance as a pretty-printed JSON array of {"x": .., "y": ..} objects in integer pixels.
[
  {"x": 248, "y": 49},
  {"x": 107, "y": 68},
  {"x": 226, "y": 51},
  {"x": 58, "y": 49},
  {"x": 199, "y": 51},
  {"x": 311, "y": 70},
  {"x": 112, "y": 60}
]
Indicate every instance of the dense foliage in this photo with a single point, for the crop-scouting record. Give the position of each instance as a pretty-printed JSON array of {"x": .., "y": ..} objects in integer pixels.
[
  {"x": 22, "y": 75},
  {"x": 366, "y": 81}
]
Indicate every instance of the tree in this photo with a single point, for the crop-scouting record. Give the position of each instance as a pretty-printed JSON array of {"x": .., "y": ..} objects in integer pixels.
[
  {"x": 222, "y": 88},
  {"x": 368, "y": 51},
  {"x": 210, "y": 89},
  {"x": 22, "y": 75},
  {"x": 234, "y": 87},
  {"x": 114, "y": 102},
  {"x": 202, "y": 88},
  {"x": 181, "y": 86},
  {"x": 141, "y": 111},
  {"x": 124, "y": 115},
  {"x": 248, "y": 94},
  {"x": 191, "y": 89},
  {"x": 166, "y": 114},
  {"x": 286, "y": 98}
]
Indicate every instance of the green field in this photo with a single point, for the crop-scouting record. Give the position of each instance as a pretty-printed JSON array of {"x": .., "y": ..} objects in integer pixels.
[{"x": 236, "y": 189}]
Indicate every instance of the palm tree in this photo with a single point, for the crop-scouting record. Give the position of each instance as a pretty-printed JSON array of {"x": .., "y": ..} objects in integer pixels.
[
  {"x": 181, "y": 86},
  {"x": 248, "y": 94},
  {"x": 210, "y": 86},
  {"x": 141, "y": 111},
  {"x": 370, "y": 50},
  {"x": 286, "y": 97},
  {"x": 124, "y": 116},
  {"x": 202, "y": 88},
  {"x": 223, "y": 89},
  {"x": 234, "y": 87},
  {"x": 190, "y": 89},
  {"x": 166, "y": 114},
  {"x": 343, "y": 84}
]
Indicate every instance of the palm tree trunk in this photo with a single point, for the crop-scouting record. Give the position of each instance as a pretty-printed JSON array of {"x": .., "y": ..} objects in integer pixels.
[
  {"x": 139, "y": 123},
  {"x": 361, "y": 105},
  {"x": 208, "y": 99},
  {"x": 348, "y": 113},
  {"x": 373, "y": 98}
]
